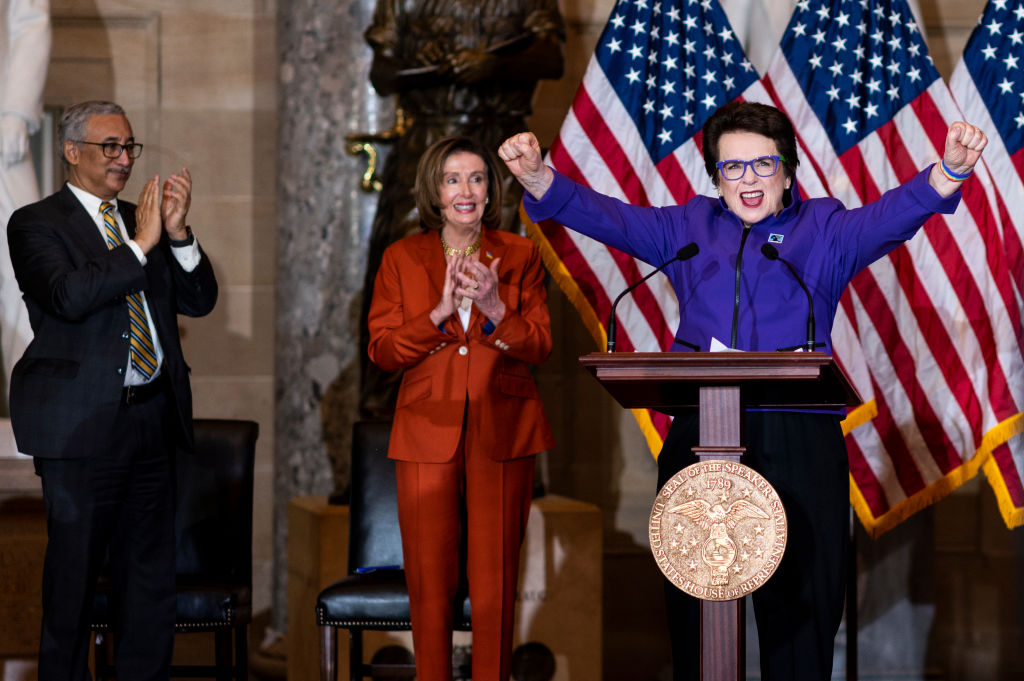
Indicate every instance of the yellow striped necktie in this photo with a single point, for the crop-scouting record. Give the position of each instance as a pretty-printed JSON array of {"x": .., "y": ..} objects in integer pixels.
[{"x": 142, "y": 352}]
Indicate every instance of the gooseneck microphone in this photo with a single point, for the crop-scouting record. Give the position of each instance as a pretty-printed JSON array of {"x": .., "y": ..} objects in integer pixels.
[
  {"x": 772, "y": 253},
  {"x": 682, "y": 255}
]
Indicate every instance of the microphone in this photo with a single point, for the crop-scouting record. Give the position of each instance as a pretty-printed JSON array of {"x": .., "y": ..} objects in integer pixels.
[
  {"x": 772, "y": 253},
  {"x": 682, "y": 255}
]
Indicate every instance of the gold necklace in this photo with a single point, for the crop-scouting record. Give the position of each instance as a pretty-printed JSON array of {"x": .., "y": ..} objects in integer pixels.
[{"x": 468, "y": 250}]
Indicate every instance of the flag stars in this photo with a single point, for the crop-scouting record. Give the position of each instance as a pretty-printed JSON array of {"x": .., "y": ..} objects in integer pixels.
[
  {"x": 673, "y": 14},
  {"x": 673, "y": 39},
  {"x": 709, "y": 77},
  {"x": 709, "y": 52},
  {"x": 914, "y": 74},
  {"x": 725, "y": 34},
  {"x": 665, "y": 136},
  {"x": 815, "y": 61},
  {"x": 1011, "y": 62},
  {"x": 874, "y": 86},
  {"x": 618, "y": 21},
  {"x": 836, "y": 69},
  {"x": 875, "y": 61},
  {"x": 1017, "y": 37},
  {"x": 688, "y": 94},
  {"x": 843, "y": 19},
  {"x": 839, "y": 44},
  {"x": 1019, "y": 12},
  {"x": 666, "y": 111},
  {"x": 833, "y": 93},
  {"x": 636, "y": 52},
  {"x": 668, "y": 88},
  {"x": 994, "y": 27},
  {"x": 895, "y": 43},
  {"x": 729, "y": 83},
  {"x": 822, "y": 13},
  {"x": 648, "y": 106},
  {"x": 857, "y": 77},
  {"x": 914, "y": 49},
  {"x": 652, "y": 81},
  {"x": 853, "y": 101},
  {"x": 1006, "y": 86},
  {"x": 893, "y": 92},
  {"x": 633, "y": 76},
  {"x": 800, "y": 30},
  {"x": 1020, "y": 120},
  {"x": 670, "y": 63},
  {"x": 690, "y": 46},
  {"x": 819, "y": 37},
  {"x": 615, "y": 45},
  {"x": 638, "y": 27},
  {"x": 690, "y": 22},
  {"x": 709, "y": 101},
  {"x": 871, "y": 110}
]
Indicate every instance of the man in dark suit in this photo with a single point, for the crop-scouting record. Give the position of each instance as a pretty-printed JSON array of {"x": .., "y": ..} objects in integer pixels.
[{"x": 101, "y": 397}]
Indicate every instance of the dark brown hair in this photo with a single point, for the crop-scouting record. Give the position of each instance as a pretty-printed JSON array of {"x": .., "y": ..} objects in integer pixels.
[
  {"x": 761, "y": 119},
  {"x": 430, "y": 172}
]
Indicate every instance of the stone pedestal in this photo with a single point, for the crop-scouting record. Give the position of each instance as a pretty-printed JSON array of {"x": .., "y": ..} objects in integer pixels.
[{"x": 558, "y": 610}]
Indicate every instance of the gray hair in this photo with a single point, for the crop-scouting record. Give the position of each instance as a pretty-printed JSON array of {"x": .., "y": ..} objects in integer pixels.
[{"x": 75, "y": 120}]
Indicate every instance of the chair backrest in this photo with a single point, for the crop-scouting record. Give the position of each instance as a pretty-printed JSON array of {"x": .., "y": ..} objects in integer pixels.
[
  {"x": 374, "y": 538},
  {"x": 213, "y": 520}
]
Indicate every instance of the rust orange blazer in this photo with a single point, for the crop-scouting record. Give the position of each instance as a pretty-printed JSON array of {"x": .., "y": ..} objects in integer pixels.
[{"x": 454, "y": 372}]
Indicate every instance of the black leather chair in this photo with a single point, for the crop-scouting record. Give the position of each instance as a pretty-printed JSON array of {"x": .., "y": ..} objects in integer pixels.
[
  {"x": 374, "y": 595},
  {"x": 214, "y": 551}
]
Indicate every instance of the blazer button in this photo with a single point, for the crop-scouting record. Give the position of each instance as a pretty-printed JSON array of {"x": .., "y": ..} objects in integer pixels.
[
  {"x": 125, "y": 335},
  {"x": 120, "y": 370},
  {"x": 463, "y": 350}
]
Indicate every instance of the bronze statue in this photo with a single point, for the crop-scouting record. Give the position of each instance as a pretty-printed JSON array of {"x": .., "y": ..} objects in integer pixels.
[{"x": 466, "y": 67}]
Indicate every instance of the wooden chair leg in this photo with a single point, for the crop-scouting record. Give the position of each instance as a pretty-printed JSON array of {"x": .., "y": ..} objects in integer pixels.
[
  {"x": 103, "y": 654},
  {"x": 355, "y": 654},
  {"x": 328, "y": 653},
  {"x": 223, "y": 659},
  {"x": 242, "y": 653}
]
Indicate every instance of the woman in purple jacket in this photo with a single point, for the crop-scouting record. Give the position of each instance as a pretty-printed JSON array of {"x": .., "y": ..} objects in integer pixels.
[{"x": 731, "y": 294}]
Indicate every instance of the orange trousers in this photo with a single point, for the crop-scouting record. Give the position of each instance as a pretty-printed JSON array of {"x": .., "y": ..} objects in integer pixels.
[{"x": 470, "y": 503}]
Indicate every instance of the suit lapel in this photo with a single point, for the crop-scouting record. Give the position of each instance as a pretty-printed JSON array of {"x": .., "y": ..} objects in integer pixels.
[{"x": 80, "y": 224}]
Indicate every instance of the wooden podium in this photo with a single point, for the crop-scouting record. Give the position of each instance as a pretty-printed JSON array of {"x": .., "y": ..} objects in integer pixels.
[{"x": 721, "y": 385}]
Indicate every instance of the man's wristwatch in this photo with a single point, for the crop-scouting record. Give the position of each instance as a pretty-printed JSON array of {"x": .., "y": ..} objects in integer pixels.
[{"x": 187, "y": 241}]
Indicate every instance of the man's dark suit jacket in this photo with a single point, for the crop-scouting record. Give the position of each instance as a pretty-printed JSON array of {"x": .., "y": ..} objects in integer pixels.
[{"x": 66, "y": 388}]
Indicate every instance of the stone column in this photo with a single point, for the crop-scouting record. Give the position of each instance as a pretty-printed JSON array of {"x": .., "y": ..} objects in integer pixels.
[{"x": 324, "y": 221}]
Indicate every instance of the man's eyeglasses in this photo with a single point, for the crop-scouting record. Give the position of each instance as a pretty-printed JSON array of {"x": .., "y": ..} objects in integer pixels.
[
  {"x": 763, "y": 166},
  {"x": 114, "y": 149}
]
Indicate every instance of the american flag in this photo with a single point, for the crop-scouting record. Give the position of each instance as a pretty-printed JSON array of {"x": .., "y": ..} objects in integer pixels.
[
  {"x": 658, "y": 71},
  {"x": 929, "y": 335},
  {"x": 988, "y": 84}
]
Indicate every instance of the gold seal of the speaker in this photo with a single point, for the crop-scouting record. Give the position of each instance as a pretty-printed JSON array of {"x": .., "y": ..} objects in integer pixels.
[{"x": 718, "y": 530}]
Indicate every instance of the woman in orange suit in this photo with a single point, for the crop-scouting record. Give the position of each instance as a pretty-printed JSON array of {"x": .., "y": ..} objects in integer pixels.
[{"x": 461, "y": 307}]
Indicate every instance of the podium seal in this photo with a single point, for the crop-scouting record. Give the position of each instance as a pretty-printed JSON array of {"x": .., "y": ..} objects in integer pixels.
[{"x": 718, "y": 530}]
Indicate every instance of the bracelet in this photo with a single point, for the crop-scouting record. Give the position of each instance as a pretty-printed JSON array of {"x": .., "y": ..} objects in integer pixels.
[{"x": 950, "y": 175}]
